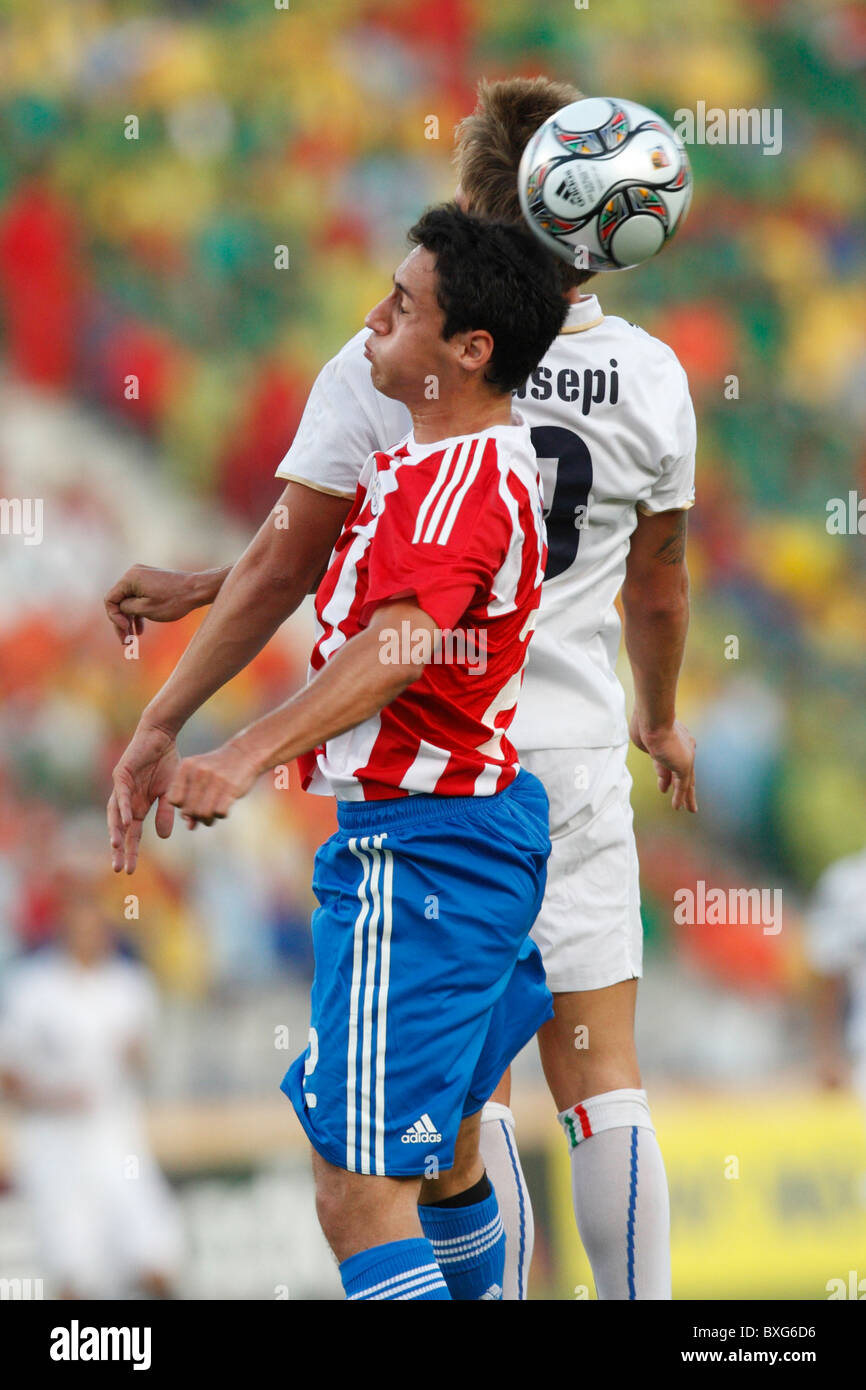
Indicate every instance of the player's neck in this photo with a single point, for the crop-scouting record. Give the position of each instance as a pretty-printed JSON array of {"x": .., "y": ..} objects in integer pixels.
[{"x": 433, "y": 420}]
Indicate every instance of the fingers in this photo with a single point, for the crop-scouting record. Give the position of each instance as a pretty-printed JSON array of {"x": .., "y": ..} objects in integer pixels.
[
  {"x": 116, "y": 833},
  {"x": 124, "y": 838},
  {"x": 135, "y": 607},
  {"x": 684, "y": 794},
  {"x": 200, "y": 795},
  {"x": 118, "y": 619},
  {"x": 123, "y": 797},
  {"x": 664, "y": 776},
  {"x": 164, "y": 820},
  {"x": 133, "y": 839}
]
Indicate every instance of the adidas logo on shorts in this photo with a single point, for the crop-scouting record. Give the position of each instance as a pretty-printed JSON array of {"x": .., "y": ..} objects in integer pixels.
[{"x": 422, "y": 1132}]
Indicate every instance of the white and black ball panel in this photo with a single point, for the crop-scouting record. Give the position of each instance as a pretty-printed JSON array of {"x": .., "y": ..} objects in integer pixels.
[
  {"x": 636, "y": 239},
  {"x": 593, "y": 167},
  {"x": 572, "y": 190}
]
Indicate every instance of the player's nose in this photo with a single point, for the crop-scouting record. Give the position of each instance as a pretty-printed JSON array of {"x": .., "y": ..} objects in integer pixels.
[{"x": 377, "y": 318}]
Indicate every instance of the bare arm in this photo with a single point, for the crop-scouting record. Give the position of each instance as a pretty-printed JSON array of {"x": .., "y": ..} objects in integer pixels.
[
  {"x": 163, "y": 596},
  {"x": 655, "y": 599},
  {"x": 355, "y": 684},
  {"x": 273, "y": 575},
  {"x": 268, "y": 583}
]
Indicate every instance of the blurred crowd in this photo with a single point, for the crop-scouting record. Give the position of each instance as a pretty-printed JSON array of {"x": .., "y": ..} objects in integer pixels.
[{"x": 198, "y": 203}]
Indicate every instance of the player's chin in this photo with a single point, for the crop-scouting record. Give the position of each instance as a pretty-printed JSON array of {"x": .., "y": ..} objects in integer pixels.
[{"x": 385, "y": 382}]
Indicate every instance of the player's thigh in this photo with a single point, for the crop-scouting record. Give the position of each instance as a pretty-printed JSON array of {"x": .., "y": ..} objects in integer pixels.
[
  {"x": 588, "y": 1047},
  {"x": 589, "y": 927},
  {"x": 359, "y": 1210}
]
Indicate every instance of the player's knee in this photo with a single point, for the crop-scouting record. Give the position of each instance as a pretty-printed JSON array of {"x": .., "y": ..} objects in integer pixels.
[
  {"x": 332, "y": 1208},
  {"x": 577, "y": 1072}
]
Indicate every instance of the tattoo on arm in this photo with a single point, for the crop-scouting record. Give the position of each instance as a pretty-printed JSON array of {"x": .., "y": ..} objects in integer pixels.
[{"x": 672, "y": 551}]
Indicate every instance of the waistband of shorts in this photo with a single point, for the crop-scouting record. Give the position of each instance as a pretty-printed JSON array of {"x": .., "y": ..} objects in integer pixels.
[{"x": 403, "y": 810}]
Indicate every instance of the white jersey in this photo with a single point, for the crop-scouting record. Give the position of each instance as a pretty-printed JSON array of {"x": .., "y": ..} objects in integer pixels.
[
  {"x": 836, "y": 937},
  {"x": 66, "y": 1031},
  {"x": 614, "y": 431},
  {"x": 65, "y": 1026}
]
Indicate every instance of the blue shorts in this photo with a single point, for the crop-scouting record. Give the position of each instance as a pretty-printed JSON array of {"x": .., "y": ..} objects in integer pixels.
[{"x": 427, "y": 985}]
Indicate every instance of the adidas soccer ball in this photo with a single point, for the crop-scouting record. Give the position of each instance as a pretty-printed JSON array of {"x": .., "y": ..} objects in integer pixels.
[{"x": 605, "y": 183}]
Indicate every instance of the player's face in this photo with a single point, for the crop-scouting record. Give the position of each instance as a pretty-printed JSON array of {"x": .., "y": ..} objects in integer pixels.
[
  {"x": 406, "y": 347},
  {"x": 87, "y": 934}
]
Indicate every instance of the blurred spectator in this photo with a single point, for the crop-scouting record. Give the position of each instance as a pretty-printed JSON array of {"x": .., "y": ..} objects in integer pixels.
[{"x": 76, "y": 1023}]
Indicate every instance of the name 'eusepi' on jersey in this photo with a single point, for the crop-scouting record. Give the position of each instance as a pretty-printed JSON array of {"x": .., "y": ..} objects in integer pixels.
[{"x": 610, "y": 440}]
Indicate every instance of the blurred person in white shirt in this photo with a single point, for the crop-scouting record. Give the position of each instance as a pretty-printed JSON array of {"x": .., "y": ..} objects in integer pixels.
[
  {"x": 836, "y": 951},
  {"x": 75, "y": 1020}
]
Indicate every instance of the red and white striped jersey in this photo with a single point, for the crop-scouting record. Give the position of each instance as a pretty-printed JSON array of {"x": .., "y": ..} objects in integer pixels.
[{"x": 457, "y": 526}]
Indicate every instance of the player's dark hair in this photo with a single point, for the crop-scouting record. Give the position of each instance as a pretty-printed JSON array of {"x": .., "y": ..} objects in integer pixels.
[
  {"x": 489, "y": 144},
  {"x": 494, "y": 276}
]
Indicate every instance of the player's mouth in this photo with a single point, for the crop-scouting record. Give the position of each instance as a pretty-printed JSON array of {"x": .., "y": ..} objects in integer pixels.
[{"x": 367, "y": 353}]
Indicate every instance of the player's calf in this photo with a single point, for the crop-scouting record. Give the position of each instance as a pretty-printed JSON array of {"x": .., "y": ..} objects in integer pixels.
[
  {"x": 371, "y": 1224},
  {"x": 619, "y": 1185},
  {"x": 460, "y": 1216}
]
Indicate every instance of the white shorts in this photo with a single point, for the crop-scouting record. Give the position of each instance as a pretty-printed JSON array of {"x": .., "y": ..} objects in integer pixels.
[
  {"x": 103, "y": 1213},
  {"x": 589, "y": 928}
]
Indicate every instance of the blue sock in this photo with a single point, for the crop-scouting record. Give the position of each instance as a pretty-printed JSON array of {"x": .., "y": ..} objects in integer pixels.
[
  {"x": 402, "y": 1269},
  {"x": 469, "y": 1245}
]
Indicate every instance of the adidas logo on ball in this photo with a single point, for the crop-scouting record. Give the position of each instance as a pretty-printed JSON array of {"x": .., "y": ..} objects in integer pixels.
[{"x": 422, "y": 1132}]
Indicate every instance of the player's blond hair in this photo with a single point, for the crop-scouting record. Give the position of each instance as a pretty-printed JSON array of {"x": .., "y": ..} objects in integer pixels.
[{"x": 490, "y": 142}]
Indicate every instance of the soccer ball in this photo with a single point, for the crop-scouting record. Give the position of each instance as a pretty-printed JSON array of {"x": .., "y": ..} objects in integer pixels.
[{"x": 605, "y": 183}]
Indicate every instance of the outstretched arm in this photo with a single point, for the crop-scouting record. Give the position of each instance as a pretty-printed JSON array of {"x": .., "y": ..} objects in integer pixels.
[
  {"x": 267, "y": 584},
  {"x": 278, "y": 568},
  {"x": 655, "y": 599},
  {"x": 163, "y": 596},
  {"x": 355, "y": 684}
]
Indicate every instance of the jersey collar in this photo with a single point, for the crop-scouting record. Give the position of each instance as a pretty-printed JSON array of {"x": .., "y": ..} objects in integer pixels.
[
  {"x": 583, "y": 315},
  {"x": 410, "y": 445}
]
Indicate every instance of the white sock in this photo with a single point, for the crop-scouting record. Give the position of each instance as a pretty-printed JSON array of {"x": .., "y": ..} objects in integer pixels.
[
  {"x": 499, "y": 1153},
  {"x": 620, "y": 1195}
]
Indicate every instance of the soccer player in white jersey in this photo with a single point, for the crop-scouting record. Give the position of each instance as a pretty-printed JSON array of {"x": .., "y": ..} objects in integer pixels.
[
  {"x": 615, "y": 434},
  {"x": 836, "y": 950},
  {"x": 76, "y": 1021}
]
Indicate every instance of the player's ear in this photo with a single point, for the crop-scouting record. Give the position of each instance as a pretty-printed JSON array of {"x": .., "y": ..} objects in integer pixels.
[{"x": 477, "y": 350}]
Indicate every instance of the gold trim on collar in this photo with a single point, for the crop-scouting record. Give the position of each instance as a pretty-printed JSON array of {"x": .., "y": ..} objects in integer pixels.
[{"x": 582, "y": 327}]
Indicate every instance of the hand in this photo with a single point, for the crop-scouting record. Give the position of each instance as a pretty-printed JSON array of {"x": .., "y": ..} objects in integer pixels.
[
  {"x": 145, "y": 592},
  {"x": 204, "y": 788},
  {"x": 673, "y": 753},
  {"x": 141, "y": 778}
]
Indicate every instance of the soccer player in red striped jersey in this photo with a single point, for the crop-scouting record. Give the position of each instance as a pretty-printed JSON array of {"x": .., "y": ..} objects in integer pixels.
[
  {"x": 416, "y": 1014},
  {"x": 614, "y": 429}
]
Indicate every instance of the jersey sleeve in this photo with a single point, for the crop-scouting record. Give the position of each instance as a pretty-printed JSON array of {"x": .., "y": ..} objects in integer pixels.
[
  {"x": 674, "y": 489},
  {"x": 344, "y": 421},
  {"x": 451, "y": 565}
]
